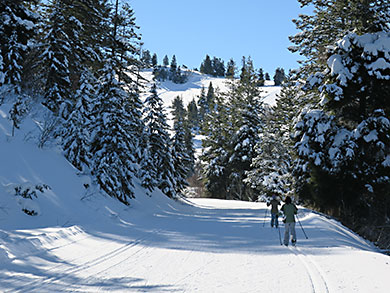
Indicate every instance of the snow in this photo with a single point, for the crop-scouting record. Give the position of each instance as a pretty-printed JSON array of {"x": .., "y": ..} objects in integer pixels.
[
  {"x": 81, "y": 240},
  {"x": 168, "y": 90}
]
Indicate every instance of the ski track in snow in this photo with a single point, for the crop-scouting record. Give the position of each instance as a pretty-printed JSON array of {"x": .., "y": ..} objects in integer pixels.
[
  {"x": 62, "y": 273},
  {"x": 314, "y": 272}
]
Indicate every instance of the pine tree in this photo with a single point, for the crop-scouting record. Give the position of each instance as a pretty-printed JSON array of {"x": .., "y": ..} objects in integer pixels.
[
  {"x": 210, "y": 97},
  {"x": 342, "y": 137},
  {"x": 154, "y": 60},
  {"x": 159, "y": 160},
  {"x": 173, "y": 67},
  {"x": 178, "y": 111},
  {"x": 146, "y": 58},
  {"x": 17, "y": 27},
  {"x": 76, "y": 134},
  {"x": 218, "y": 67},
  {"x": 231, "y": 69},
  {"x": 207, "y": 67},
  {"x": 193, "y": 116},
  {"x": 245, "y": 111},
  {"x": 112, "y": 148},
  {"x": 279, "y": 76},
  {"x": 165, "y": 61},
  {"x": 267, "y": 77},
  {"x": 272, "y": 166},
  {"x": 330, "y": 22},
  {"x": 202, "y": 106},
  {"x": 181, "y": 160},
  {"x": 215, "y": 152},
  {"x": 260, "y": 77},
  {"x": 54, "y": 61},
  {"x": 17, "y": 112}
]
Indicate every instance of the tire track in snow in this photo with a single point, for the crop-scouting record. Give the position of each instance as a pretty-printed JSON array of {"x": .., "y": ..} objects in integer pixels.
[{"x": 315, "y": 273}]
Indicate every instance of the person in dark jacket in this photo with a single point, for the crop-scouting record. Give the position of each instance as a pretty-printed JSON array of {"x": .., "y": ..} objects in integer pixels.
[
  {"x": 289, "y": 210},
  {"x": 274, "y": 203}
]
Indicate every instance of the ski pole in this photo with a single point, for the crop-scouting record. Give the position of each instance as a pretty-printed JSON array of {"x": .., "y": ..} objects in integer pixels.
[
  {"x": 265, "y": 215},
  {"x": 302, "y": 227}
]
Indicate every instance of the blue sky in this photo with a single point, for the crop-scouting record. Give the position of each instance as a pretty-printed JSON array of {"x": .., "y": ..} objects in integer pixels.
[{"x": 222, "y": 28}]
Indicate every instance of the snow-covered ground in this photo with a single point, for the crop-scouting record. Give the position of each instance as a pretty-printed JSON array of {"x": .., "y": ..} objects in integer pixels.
[
  {"x": 82, "y": 241},
  {"x": 168, "y": 90}
]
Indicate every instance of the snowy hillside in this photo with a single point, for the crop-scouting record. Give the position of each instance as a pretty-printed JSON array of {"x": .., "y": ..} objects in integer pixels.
[
  {"x": 192, "y": 88},
  {"x": 80, "y": 240}
]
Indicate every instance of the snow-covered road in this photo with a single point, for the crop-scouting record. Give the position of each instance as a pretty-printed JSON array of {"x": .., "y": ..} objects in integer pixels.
[{"x": 206, "y": 246}]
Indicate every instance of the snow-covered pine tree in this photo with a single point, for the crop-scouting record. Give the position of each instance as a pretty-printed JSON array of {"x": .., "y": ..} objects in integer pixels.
[
  {"x": 159, "y": 161},
  {"x": 17, "y": 27},
  {"x": 193, "y": 116},
  {"x": 76, "y": 131},
  {"x": 202, "y": 106},
  {"x": 181, "y": 160},
  {"x": 112, "y": 147},
  {"x": 245, "y": 111},
  {"x": 116, "y": 117},
  {"x": 331, "y": 21},
  {"x": 54, "y": 67},
  {"x": 214, "y": 158},
  {"x": 351, "y": 124},
  {"x": 271, "y": 170}
]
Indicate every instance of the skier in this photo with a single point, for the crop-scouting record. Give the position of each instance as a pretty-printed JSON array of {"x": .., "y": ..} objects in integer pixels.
[
  {"x": 289, "y": 210},
  {"x": 274, "y": 203}
]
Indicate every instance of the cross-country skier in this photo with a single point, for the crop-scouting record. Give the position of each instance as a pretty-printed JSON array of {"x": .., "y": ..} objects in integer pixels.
[
  {"x": 289, "y": 210},
  {"x": 274, "y": 203}
]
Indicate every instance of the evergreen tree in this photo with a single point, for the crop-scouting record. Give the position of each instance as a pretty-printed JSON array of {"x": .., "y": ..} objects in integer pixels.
[
  {"x": 231, "y": 69},
  {"x": 165, "y": 61},
  {"x": 173, "y": 66},
  {"x": 76, "y": 136},
  {"x": 330, "y": 22},
  {"x": 261, "y": 77},
  {"x": 279, "y": 76},
  {"x": 146, "y": 58},
  {"x": 160, "y": 171},
  {"x": 17, "y": 27},
  {"x": 272, "y": 166},
  {"x": 55, "y": 59},
  {"x": 178, "y": 111},
  {"x": 17, "y": 112},
  {"x": 181, "y": 160},
  {"x": 112, "y": 149},
  {"x": 154, "y": 60},
  {"x": 245, "y": 112},
  {"x": 218, "y": 67},
  {"x": 193, "y": 116},
  {"x": 215, "y": 152},
  {"x": 210, "y": 97},
  {"x": 342, "y": 137},
  {"x": 207, "y": 67},
  {"x": 202, "y": 106}
]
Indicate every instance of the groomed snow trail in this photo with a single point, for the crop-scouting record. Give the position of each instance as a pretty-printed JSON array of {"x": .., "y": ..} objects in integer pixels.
[{"x": 202, "y": 245}]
